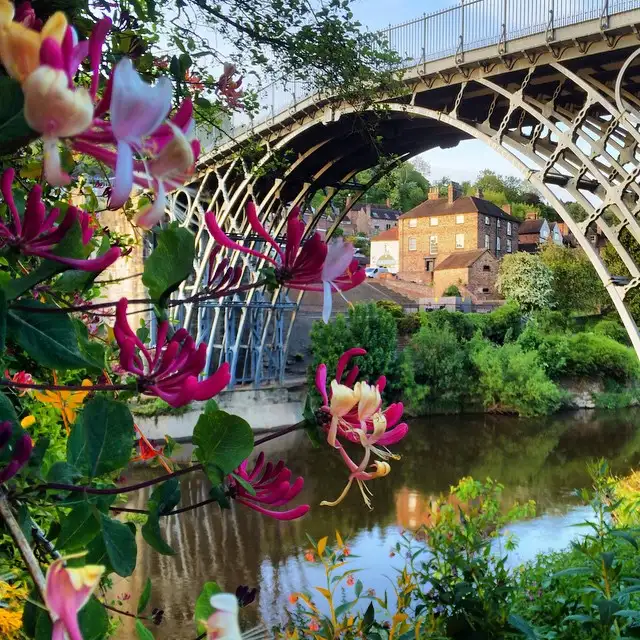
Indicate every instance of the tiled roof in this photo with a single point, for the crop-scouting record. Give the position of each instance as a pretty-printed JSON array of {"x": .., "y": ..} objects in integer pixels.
[
  {"x": 380, "y": 211},
  {"x": 468, "y": 204},
  {"x": 387, "y": 236},
  {"x": 528, "y": 238},
  {"x": 461, "y": 259},
  {"x": 531, "y": 226}
]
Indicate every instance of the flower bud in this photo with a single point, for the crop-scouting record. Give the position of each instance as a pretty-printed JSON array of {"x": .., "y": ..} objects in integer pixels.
[
  {"x": 9, "y": 471},
  {"x": 52, "y": 108},
  {"x": 23, "y": 448},
  {"x": 5, "y": 433}
]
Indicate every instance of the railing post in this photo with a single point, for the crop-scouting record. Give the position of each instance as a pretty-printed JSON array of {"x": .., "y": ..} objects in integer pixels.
[
  {"x": 460, "y": 51},
  {"x": 604, "y": 16},
  {"x": 502, "y": 45},
  {"x": 551, "y": 24},
  {"x": 424, "y": 38}
]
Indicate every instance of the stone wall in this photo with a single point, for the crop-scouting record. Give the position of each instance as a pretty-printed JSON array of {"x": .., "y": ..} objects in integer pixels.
[
  {"x": 482, "y": 283},
  {"x": 494, "y": 232}
]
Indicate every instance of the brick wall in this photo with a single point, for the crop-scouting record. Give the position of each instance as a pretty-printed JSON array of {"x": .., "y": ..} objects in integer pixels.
[
  {"x": 494, "y": 232},
  {"x": 481, "y": 279},
  {"x": 444, "y": 279},
  {"x": 412, "y": 264}
]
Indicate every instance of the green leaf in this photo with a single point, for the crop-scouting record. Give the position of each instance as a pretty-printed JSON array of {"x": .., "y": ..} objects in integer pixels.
[
  {"x": 142, "y": 632},
  {"x": 14, "y": 130},
  {"x": 369, "y": 616},
  {"x": 521, "y": 625},
  {"x": 573, "y": 571},
  {"x": 625, "y": 535},
  {"x": 345, "y": 607},
  {"x": 63, "y": 473},
  {"x": 77, "y": 281},
  {"x": 8, "y": 413},
  {"x": 358, "y": 588},
  {"x": 223, "y": 442},
  {"x": 247, "y": 486},
  {"x": 78, "y": 528},
  {"x": 203, "y": 605},
  {"x": 92, "y": 350},
  {"x": 144, "y": 596},
  {"x": 163, "y": 500},
  {"x": 49, "y": 338},
  {"x": 102, "y": 438},
  {"x": 120, "y": 544},
  {"x": 170, "y": 263}
]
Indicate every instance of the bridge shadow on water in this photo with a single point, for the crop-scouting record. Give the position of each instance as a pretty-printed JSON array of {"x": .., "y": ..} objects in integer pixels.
[{"x": 539, "y": 459}]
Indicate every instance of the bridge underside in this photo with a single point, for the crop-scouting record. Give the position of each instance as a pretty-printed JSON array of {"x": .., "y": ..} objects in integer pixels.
[{"x": 555, "y": 112}]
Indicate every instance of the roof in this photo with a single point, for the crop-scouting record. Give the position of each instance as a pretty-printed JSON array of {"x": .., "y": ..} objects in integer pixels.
[
  {"x": 461, "y": 259},
  {"x": 531, "y": 226},
  {"x": 386, "y": 236},
  {"x": 381, "y": 212},
  {"x": 528, "y": 238},
  {"x": 467, "y": 204}
]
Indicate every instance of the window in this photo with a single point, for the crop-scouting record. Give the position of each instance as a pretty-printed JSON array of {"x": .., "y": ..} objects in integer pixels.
[
  {"x": 486, "y": 268},
  {"x": 387, "y": 227},
  {"x": 485, "y": 289},
  {"x": 434, "y": 222},
  {"x": 509, "y": 245},
  {"x": 433, "y": 245},
  {"x": 508, "y": 228},
  {"x": 413, "y": 244},
  {"x": 498, "y": 223},
  {"x": 413, "y": 222},
  {"x": 376, "y": 227},
  {"x": 498, "y": 243},
  {"x": 486, "y": 220},
  {"x": 429, "y": 264},
  {"x": 486, "y": 240},
  {"x": 459, "y": 240},
  {"x": 460, "y": 219}
]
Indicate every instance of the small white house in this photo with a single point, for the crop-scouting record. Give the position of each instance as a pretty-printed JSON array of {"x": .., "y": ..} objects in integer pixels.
[{"x": 385, "y": 250}]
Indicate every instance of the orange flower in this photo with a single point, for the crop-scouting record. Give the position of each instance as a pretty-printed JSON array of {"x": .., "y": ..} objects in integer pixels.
[
  {"x": 351, "y": 581},
  {"x": 66, "y": 402},
  {"x": 309, "y": 556},
  {"x": 313, "y": 625},
  {"x": 293, "y": 598}
]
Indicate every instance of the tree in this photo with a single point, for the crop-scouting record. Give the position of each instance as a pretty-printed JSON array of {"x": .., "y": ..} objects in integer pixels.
[
  {"x": 524, "y": 278},
  {"x": 616, "y": 267},
  {"x": 576, "y": 285}
]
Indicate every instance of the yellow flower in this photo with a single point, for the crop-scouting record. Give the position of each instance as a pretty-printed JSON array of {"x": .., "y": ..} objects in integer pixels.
[
  {"x": 369, "y": 401},
  {"x": 27, "y": 422},
  {"x": 66, "y": 402},
  {"x": 12, "y": 599},
  {"x": 20, "y": 46}
]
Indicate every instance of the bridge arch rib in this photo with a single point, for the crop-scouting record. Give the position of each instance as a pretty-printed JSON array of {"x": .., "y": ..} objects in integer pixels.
[{"x": 558, "y": 122}]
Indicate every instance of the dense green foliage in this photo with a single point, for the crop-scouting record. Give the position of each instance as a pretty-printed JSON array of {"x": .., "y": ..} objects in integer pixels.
[
  {"x": 525, "y": 278},
  {"x": 451, "y": 290}
]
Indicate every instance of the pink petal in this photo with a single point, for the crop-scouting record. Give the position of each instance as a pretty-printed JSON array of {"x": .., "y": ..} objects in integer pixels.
[
  {"x": 96, "y": 42},
  {"x": 321, "y": 382},
  {"x": 339, "y": 257},
  {"x": 53, "y": 172},
  {"x": 124, "y": 176},
  {"x": 394, "y": 435},
  {"x": 345, "y": 358},
  {"x": 151, "y": 215},
  {"x": 256, "y": 225}
]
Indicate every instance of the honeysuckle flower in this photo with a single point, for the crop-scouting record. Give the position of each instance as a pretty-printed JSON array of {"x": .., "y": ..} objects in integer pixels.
[
  {"x": 27, "y": 421},
  {"x": 21, "y": 377},
  {"x": 312, "y": 266},
  {"x": 26, "y": 15},
  {"x": 229, "y": 88},
  {"x": 67, "y": 590},
  {"x": 223, "y": 622},
  {"x": 21, "y": 40},
  {"x": 171, "y": 371},
  {"x": 66, "y": 402},
  {"x": 149, "y": 452},
  {"x": 273, "y": 488},
  {"x": 38, "y": 234},
  {"x": 366, "y": 424},
  {"x": 20, "y": 453}
]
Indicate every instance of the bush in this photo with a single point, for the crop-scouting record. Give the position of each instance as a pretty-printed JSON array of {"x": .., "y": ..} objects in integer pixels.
[
  {"x": 612, "y": 329},
  {"x": 548, "y": 321},
  {"x": 366, "y": 326},
  {"x": 452, "y": 291},
  {"x": 393, "y": 308},
  {"x": 523, "y": 277},
  {"x": 436, "y": 372},
  {"x": 502, "y": 324},
  {"x": 463, "y": 325},
  {"x": 512, "y": 380},
  {"x": 409, "y": 324}
]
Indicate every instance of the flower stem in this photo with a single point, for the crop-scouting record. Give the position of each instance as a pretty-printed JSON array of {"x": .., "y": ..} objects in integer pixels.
[
  {"x": 23, "y": 545},
  {"x": 67, "y": 387}
]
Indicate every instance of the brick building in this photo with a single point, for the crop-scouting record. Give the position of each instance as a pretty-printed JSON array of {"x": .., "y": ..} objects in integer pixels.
[
  {"x": 535, "y": 231},
  {"x": 385, "y": 250},
  {"x": 372, "y": 219},
  {"x": 474, "y": 272},
  {"x": 439, "y": 227}
]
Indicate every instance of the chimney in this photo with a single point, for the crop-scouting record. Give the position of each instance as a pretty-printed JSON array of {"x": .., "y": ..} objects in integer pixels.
[
  {"x": 531, "y": 215},
  {"x": 347, "y": 204},
  {"x": 388, "y": 203},
  {"x": 452, "y": 193},
  {"x": 506, "y": 208},
  {"x": 479, "y": 193},
  {"x": 434, "y": 193}
]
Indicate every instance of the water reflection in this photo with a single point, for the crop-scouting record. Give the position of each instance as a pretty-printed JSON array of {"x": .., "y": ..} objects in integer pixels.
[{"x": 543, "y": 460}]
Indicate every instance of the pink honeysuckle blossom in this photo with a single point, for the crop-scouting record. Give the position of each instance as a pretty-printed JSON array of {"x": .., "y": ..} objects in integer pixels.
[
  {"x": 26, "y": 15},
  {"x": 171, "y": 371},
  {"x": 68, "y": 589},
  {"x": 20, "y": 453},
  {"x": 229, "y": 88},
  {"x": 312, "y": 266},
  {"x": 273, "y": 488},
  {"x": 352, "y": 406},
  {"x": 38, "y": 234}
]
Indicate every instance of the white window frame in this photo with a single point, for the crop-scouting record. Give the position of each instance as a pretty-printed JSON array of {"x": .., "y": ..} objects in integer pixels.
[
  {"x": 459, "y": 240},
  {"x": 413, "y": 244},
  {"x": 413, "y": 222},
  {"x": 487, "y": 241},
  {"x": 509, "y": 246},
  {"x": 497, "y": 243},
  {"x": 487, "y": 220},
  {"x": 508, "y": 228},
  {"x": 498, "y": 223},
  {"x": 433, "y": 222},
  {"x": 433, "y": 242},
  {"x": 460, "y": 218}
]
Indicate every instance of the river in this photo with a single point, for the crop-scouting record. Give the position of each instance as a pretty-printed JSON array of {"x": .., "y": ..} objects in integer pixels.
[{"x": 539, "y": 459}]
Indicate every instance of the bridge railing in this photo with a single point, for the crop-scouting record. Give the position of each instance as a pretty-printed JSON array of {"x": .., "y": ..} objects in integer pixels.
[{"x": 464, "y": 27}]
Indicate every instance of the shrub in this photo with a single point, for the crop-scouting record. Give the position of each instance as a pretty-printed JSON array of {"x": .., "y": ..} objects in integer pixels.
[
  {"x": 502, "y": 324},
  {"x": 409, "y": 324},
  {"x": 463, "y": 325},
  {"x": 612, "y": 329},
  {"x": 436, "y": 372},
  {"x": 393, "y": 308},
  {"x": 366, "y": 326},
  {"x": 512, "y": 380},
  {"x": 452, "y": 291},
  {"x": 523, "y": 277},
  {"x": 548, "y": 321}
]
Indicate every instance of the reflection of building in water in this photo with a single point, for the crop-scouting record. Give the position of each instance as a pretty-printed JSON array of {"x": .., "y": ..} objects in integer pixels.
[{"x": 414, "y": 509}]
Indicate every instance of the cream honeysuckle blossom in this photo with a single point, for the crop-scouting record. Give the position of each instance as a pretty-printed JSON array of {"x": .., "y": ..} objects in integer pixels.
[
  {"x": 223, "y": 624},
  {"x": 343, "y": 400}
]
